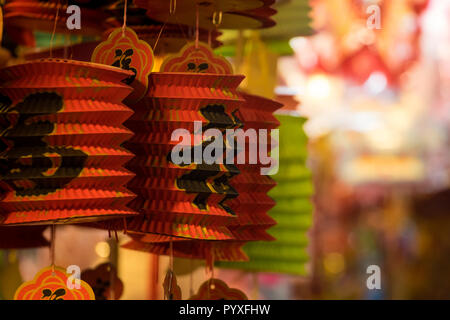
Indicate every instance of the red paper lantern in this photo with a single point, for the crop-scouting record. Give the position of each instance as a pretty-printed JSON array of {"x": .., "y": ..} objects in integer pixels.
[
  {"x": 180, "y": 200},
  {"x": 61, "y": 159},
  {"x": 251, "y": 206},
  {"x": 244, "y": 14}
]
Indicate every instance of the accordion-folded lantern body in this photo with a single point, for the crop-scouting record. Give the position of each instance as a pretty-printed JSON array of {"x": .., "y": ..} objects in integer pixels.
[
  {"x": 62, "y": 131},
  {"x": 250, "y": 206},
  {"x": 179, "y": 200}
]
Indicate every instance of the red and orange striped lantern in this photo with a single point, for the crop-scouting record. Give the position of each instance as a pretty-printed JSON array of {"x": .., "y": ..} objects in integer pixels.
[
  {"x": 178, "y": 201},
  {"x": 22, "y": 237},
  {"x": 61, "y": 156},
  {"x": 181, "y": 200}
]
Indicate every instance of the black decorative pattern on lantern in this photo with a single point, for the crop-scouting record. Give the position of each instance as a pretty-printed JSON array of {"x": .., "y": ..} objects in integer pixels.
[
  {"x": 123, "y": 60},
  {"x": 28, "y": 164},
  {"x": 48, "y": 294},
  {"x": 202, "y": 67},
  {"x": 207, "y": 179}
]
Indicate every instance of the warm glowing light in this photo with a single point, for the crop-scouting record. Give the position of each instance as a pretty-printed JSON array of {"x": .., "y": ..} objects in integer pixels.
[
  {"x": 102, "y": 249},
  {"x": 318, "y": 87}
]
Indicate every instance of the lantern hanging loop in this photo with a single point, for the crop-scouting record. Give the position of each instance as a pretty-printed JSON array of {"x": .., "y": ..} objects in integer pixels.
[
  {"x": 217, "y": 18},
  {"x": 172, "y": 7}
]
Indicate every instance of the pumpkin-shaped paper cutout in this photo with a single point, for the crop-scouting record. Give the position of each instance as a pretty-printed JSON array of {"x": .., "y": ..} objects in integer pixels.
[
  {"x": 197, "y": 59},
  {"x": 51, "y": 284},
  {"x": 104, "y": 281},
  {"x": 215, "y": 289},
  {"x": 172, "y": 290},
  {"x": 125, "y": 50}
]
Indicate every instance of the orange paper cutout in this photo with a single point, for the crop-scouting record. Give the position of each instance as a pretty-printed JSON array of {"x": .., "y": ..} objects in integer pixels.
[
  {"x": 215, "y": 289},
  {"x": 51, "y": 284},
  {"x": 125, "y": 50},
  {"x": 199, "y": 59}
]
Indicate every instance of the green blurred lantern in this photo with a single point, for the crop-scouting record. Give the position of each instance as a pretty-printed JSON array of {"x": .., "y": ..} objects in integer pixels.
[{"x": 293, "y": 211}]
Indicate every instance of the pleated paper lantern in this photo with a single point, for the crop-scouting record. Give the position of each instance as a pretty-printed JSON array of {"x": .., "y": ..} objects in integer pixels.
[
  {"x": 61, "y": 134},
  {"x": 293, "y": 210}
]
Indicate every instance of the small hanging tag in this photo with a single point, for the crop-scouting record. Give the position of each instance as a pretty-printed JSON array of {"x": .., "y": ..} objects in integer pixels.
[
  {"x": 52, "y": 283},
  {"x": 171, "y": 289},
  {"x": 123, "y": 49},
  {"x": 215, "y": 289},
  {"x": 197, "y": 58},
  {"x": 104, "y": 282}
]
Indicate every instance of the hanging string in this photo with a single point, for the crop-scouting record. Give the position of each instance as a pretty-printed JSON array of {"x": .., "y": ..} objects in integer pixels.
[
  {"x": 182, "y": 30},
  {"x": 67, "y": 39},
  {"x": 125, "y": 226},
  {"x": 124, "y": 18},
  {"x": 159, "y": 35},
  {"x": 112, "y": 280},
  {"x": 52, "y": 247},
  {"x": 197, "y": 28},
  {"x": 54, "y": 29}
]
